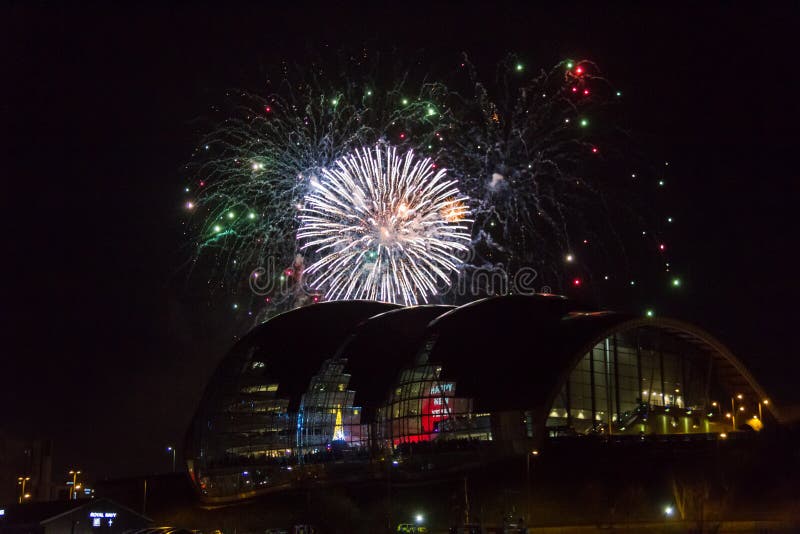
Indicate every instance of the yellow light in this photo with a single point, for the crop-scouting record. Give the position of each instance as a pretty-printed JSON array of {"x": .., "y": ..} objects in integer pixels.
[
  {"x": 535, "y": 452},
  {"x": 455, "y": 211},
  {"x": 728, "y": 415},
  {"x": 740, "y": 396},
  {"x": 714, "y": 403},
  {"x": 741, "y": 408},
  {"x": 765, "y": 401},
  {"x": 723, "y": 435}
]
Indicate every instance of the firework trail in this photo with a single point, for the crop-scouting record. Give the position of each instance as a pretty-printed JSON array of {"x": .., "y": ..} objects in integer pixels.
[
  {"x": 384, "y": 227},
  {"x": 535, "y": 161}
]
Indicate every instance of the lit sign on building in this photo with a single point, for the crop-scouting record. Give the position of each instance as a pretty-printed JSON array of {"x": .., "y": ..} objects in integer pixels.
[{"x": 97, "y": 518}]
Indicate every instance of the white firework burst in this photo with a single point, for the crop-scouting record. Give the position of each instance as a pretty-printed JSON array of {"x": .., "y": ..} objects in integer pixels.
[{"x": 383, "y": 227}]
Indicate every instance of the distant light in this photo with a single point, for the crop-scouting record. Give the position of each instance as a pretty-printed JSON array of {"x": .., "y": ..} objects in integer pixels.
[
  {"x": 739, "y": 396},
  {"x": 579, "y": 70},
  {"x": 619, "y": 93},
  {"x": 251, "y": 215},
  {"x": 765, "y": 401},
  {"x": 235, "y": 306},
  {"x": 369, "y": 93},
  {"x": 535, "y": 452},
  {"x": 676, "y": 282},
  {"x": 569, "y": 258},
  {"x": 335, "y": 102},
  {"x": 395, "y": 462},
  {"x": 231, "y": 215},
  {"x": 669, "y": 219},
  {"x": 576, "y": 282},
  {"x": 633, "y": 282},
  {"x": 650, "y": 313},
  {"x": 169, "y": 448},
  {"x": 190, "y": 205},
  {"x": 662, "y": 247},
  {"x": 217, "y": 228},
  {"x": 661, "y": 183},
  {"x": 584, "y": 122},
  {"x": 723, "y": 435},
  {"x": 668, "y": 510},
  {"x": 405, "y": 101},
  {"x": 419, "y": 518},
  {"x": 570, "y": 64},
  {"x": 520, "y": 67},
  {"x": 245, "y": 473}
]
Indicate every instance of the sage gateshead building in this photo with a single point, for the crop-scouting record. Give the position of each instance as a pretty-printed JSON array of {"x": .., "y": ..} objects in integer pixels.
[{"x": 355, "y": 390}]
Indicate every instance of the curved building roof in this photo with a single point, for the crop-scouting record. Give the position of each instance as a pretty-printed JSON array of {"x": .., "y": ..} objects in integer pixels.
[
  {"x": 292, "y": 346},
  {"x": 514, "y": 351},
  {"x": 380, "y": 347}
]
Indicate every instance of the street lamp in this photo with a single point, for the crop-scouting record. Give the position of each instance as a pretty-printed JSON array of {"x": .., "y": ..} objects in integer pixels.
[
  {"x": 534, "y": 453},
  {"x": 419, "y": 519},
  {"x": 765, "y": 402},
  {"x": 72, "y": 493},
  {"x": 668, "y": 512},
  {"x": 172, "y": 450},
  {"x": 21, "y": 481}
]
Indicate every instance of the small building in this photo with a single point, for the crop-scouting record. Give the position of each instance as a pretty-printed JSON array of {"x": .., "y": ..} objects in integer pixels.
[{"x": 91, "y": 516}]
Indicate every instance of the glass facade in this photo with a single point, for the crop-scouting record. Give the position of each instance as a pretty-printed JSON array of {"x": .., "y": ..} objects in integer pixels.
[
  {"x": 643, "y": 381},
  {"x": 259, "y": 429}
]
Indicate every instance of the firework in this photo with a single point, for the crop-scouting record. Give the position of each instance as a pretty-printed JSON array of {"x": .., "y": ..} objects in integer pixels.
[
  {"x": 540, "y": 158},
  {"x": 383, "y": 226},
  {"x": 251, "y": 173},
  {"x": 536, "y": 157}
]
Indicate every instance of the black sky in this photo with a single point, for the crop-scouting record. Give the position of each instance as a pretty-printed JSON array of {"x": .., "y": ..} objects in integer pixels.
[{"x": 105, "y": 350}]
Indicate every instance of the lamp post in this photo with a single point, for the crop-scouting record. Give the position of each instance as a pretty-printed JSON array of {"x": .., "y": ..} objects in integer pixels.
[
  {"x": 72, "y": 493},
  {"x": 22, "y": 481},
  {"x": 172, "y": 450},
  {"x": 533, "y": 453}
]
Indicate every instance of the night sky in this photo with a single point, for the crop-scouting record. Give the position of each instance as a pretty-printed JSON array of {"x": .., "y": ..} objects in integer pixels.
[{"x": 106, "y": 348}]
